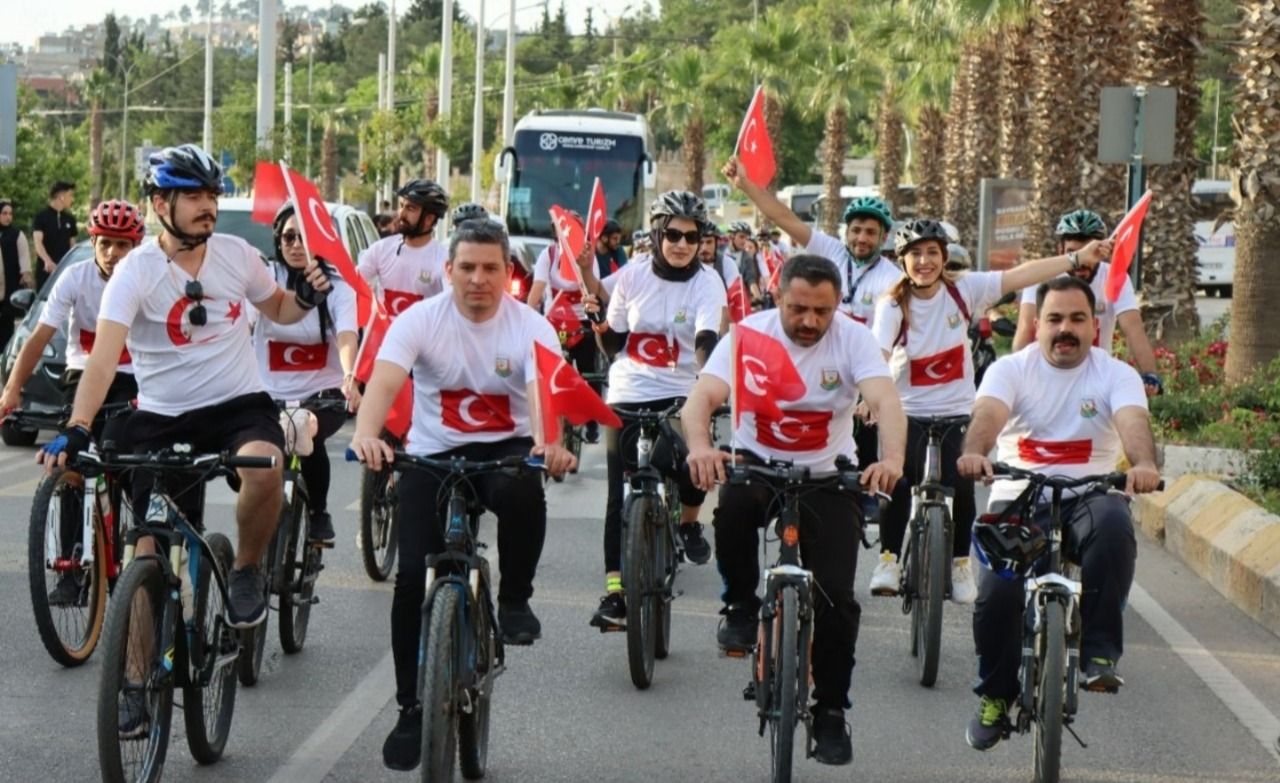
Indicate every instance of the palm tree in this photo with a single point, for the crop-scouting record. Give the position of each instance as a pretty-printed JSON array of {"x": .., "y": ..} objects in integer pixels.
[
  {"x": 682, "y": 104},
  {"x": 833, "y": 81},
  {"x": 1255, "y": 327},
  {"x": 423, "y": 75},
  {"x": 889, "y": 144},
  {"x": 1107, "y": 35},
  {"x": 931, "y": 129},
  {"x": 95, "y": 89},
  {"x": 1014, "y": 111},
  {"x": 955, "y": 188}
]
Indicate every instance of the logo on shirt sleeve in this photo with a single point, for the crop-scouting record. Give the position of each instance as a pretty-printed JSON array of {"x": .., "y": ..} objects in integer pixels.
[
  {"x": 794, "y": 431},
  {"x": 467, "y": 411},
  {"x": 939, "y": 368},
  {"x": 1055, "y": 452}
]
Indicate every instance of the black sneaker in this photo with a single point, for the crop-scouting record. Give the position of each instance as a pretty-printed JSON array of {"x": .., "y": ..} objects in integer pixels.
[
  {"x": 696, "y": 547},
  {"x": 518, "y": 623},
  {"x": 1100, "y": 676},
  {"x": 131, "y": 714},
  {"x": 738, "y": 629},
  {"x": 246, "y": 597},
  {"x": 320, "y": 529},
  {"x": 591, "y": 432},
  {"x": 67, "y": 591},
  {"x": 403, "y": 748},
  {"x": 989, "y": 725},
  {"x": 831, "y": 740},
  {"x": 612, "y": 612}
]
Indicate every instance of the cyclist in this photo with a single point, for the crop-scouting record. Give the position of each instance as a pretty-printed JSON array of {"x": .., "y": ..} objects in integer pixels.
[
  {"x": 838, "y": 360},
  {"x": 468, "y": 211},
  {"x": 1064, "y": 406},
  {"x": 179, "y": 302},
  {"x": 310, "y": 361},
  {"x": 666, "y": 312},
  {"x": 709, "y": 255},
  {"x": 1075, "y": 230},
  {"x": 640, "y": 244},
  {"x": 409, "y": 265},
  {"x": 471, "y": 354},
  {"x": 922, "y": 326},
  {"x": 610, "y": 257}
]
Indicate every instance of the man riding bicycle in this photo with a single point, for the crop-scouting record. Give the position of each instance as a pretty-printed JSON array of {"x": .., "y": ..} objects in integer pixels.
[
  {"x": 1064, "y": 407},
  {"x": 471, "y": 355},
  {"x": 838, "y": 360},
  {"x": 409, "y": 266}
]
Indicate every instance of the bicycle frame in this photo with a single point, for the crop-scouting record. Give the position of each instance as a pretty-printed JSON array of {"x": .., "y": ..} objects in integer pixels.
[{"x": 647, "y": 480}]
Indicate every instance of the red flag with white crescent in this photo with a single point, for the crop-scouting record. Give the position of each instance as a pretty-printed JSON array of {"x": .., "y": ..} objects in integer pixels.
[
  {"x": 597, "y": 214},
  {"x": 1126, "y": 235},
  {"x": 764, "y": 375},
  {"x": 755, "y": 150},
  {"x": 562, "y": 392}
]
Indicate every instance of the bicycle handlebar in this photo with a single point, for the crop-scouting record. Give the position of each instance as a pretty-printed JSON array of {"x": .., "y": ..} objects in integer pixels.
[
  {"x": 171, "y": 460},
  {"x": 1114, "y": 480},
  {"x": 57, "y": 418},
  {"x": 324, "y": 404},
  {"x": 459, "y": 465}
]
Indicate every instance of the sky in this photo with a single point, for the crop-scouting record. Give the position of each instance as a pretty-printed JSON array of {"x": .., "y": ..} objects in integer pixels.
[{"x": 34, "y": 21}]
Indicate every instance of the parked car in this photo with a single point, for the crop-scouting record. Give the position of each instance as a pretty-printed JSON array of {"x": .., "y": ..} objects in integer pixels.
[{"x": 1216, "y": 255}]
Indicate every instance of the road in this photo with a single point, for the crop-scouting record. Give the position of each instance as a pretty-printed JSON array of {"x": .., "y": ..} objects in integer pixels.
[{"x": 1203, "y": 692}]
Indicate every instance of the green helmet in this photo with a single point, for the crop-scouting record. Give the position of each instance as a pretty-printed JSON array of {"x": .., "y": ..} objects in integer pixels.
[
  {"x": 869, "y": 206},
  {"x": 1082, "y": 223}
]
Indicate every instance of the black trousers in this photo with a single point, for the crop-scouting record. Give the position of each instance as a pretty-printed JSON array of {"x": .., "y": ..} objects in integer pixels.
[
  {"x": 8, "y": 319},
  {"x": 894, "y": 525},
  {"x": 1098, "y": 534},
  {"x": 620, "y": 456},
  {"x": 830, "y": 530},
  {"x": 867, "y": 438},
  {"x": 585, "y": 355},
  {"x": 123, "y": 389},
  {"x": 315, "y": 466},
  {"x": 521, "y": 508}
]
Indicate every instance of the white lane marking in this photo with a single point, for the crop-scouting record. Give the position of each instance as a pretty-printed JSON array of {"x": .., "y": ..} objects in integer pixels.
[
  {"x": 1251, "y": 712},
  {"x": 23, "y": 489},
  {"x": 320, "y": 752}
]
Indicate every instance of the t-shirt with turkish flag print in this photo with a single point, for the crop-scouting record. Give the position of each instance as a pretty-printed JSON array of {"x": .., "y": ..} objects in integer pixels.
[
  {"x": 661, "y": 317},
  {"x": 934, "y": 370},
  {"x": 405, "y": 274},
  {"x": 295, "y": 360},
  {"x": 470, "y": 380},
  {"x": 73, "y": 307},
  {"x": 1108, "y": 312},
  {"x": 179, "y": 366},
  {"x": 1061, "y": 422},
  {"x": 548, "y": 273},
  {"x": 814, "y": 430},
  {"x": 867, "y": 283}
]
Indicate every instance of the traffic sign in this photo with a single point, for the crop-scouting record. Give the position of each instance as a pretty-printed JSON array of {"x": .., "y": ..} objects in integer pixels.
[{"x": 1137, "y": 121}]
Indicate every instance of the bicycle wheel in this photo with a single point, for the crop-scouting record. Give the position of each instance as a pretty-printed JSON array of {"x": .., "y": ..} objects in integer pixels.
[
  {"x": 70, "y": 624},
  {"x": 638, "y": 584},
  {"x": 438, "y": 683},
  {"x": 133, "y": 673},
  {"x": 299, "y": 564},
  {"x": 1050, "y": 689},
  {"x": 377, "y": 522},
  {"x": 664, "y": 565},
  {"x": 571, "y": 439},
  {"x": 473, "y": 724},
  {"x": 253, "y": 641},
  {"x": 207, "y": 707},
  {"x": 926, "y": 609},
  {"x": 782, "y": 724}
]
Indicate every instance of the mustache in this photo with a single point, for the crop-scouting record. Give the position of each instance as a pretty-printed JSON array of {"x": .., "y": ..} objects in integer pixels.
[{"x": 1067, "y": 339}]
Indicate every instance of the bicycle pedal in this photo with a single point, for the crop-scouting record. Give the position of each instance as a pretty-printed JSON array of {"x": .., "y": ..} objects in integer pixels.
[
  {"x": 321, "y": 544},
  {"x": 1103, "y": 689},
  {"x": 734, "y": 653},
  {"x": 611, "y": 628},
  {"x": 313, "y": 600},
  {"x": 749, "y": 692}
]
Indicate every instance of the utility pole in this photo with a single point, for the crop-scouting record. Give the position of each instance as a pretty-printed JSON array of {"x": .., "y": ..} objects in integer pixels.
[
  {"x": 206, "y": 137},
  {"x": 288, "y": 113},
  {"x": 477, "y": 115},
  {"x": 391, "y": 86},
  {"x": 446, "y": 88},
  {"x": 311, "y": 51},
  {"x": 266, "y": 72},
  {"x": 509, "y": 88}
]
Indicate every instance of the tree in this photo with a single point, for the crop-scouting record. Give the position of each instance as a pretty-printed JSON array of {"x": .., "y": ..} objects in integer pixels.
[
  {"x": 833, "y": 79},
  {"x": 1014, "y": 100},
  {"x": 1107, "y": 34},
  {"x": 96, "y": 86},
  {"x": 46, "y": 150},
  {"x": 682, "y": 106}
]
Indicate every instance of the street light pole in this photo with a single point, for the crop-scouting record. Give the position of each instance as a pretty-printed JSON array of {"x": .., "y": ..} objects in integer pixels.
[
  {"x": 124, "y": 134},
  {"x": 477, "y": 114},
  {"x": 266, "y": 73},
  {"x": 206, "y": 137},
  {"x": 446, "y": 88},
  {"x": 311, "y": 51},
  {"x": 509, "y": 88}
]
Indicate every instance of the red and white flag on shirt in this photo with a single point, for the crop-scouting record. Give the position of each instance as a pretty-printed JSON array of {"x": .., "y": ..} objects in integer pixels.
[
  {"x": 763, "y": 376},
  {"x": 794, "y": 430},
  {"x": 755, "y": 150},
  {"x": 597, "y": 214},
  {"x": 562, "y": 392},
  {"x": 1127, "y": 235},
  {"x": 739, "y": 302}
]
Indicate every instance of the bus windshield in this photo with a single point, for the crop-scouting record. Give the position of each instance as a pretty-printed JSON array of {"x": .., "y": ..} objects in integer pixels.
[{"x": 559, "y": 168}]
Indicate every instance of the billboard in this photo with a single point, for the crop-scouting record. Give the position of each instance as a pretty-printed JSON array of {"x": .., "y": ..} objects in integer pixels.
[{"x": 1004, "y": 215}]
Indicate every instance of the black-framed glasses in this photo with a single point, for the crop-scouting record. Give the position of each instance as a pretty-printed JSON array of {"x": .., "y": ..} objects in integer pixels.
[
  {"x": 673, "y": 236},
  {"x": 289, "y": 237},
  {"x": 197, "y": 315}
]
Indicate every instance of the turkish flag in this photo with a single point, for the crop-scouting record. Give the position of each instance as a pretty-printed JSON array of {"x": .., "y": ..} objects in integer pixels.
[
  {"x": 563, "y": 318},
  {"x": 397, "y": 302},
  {"x": 86, "y": 344},
  {"x": 1127, "y": 235},
  {"x": 375, "y": 330},
  {"x": 401, "y": 414},
  {"x": 793, "y": 430},
  {"x": 571, "y": 238},
  {"x": 774, "y": 264},
  {"x": 269, "y": 191},
  {"x": 597, "y": 214},
  {"x": 939, "y": 368},
  {"x": 655, "y": 350},
  {"x": 467, "y": 411},
  {"x": 1055, "y": 452},
  {"x": 755, "y": 151},
  {"x": 296, "y": 357},
  {"x": 563, "y": 393},
  {"x": 739, "y": 302},
  {"x": 764, "y": 374}
]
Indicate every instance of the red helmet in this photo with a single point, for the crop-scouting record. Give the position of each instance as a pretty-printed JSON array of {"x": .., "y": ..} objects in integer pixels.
[{"x": 116, "y": 219}]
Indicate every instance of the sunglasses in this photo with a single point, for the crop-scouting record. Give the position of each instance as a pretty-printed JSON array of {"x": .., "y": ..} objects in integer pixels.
[
  {"x": 674, "y": 235},
  {"x": 197, "y": 315},
  {"x": 289, "y": 237}
]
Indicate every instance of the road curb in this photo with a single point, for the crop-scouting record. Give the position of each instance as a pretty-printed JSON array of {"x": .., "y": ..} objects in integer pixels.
[{"x": 1227, "y": 539}]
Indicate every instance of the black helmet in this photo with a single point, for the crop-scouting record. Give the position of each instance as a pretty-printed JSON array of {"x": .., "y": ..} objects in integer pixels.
[
  {"x": 426, "y": 194},
  {"x": 468, "y": 211},
  {"x": 611, "y": 226},
  {"x": 740, "y": 227},
  {"x": 677, "y": 204},
  {"x": 185, "y": 167},
  {"x": 1006, "y": 545},
  {"x": 710, "y": 229},
  {"x": 918, "y": 231}
]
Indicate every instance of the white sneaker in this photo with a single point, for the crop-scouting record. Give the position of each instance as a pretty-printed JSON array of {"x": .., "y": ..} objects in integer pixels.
[
  {"x": 887, "y": 577},
  {"x": 963, "y": 589}
]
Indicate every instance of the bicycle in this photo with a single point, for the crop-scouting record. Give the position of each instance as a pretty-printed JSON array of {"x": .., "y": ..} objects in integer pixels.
[
  {"x": 1051, "y": 628},
  {"x": 292, "y": 561},
  {"x": 377, "y": 535},
  {"x": 572, "y": 435},
  {"x": 780, "y": 667},
  {"x": 926, "y": 556},
  {"x": 167, "y": 627}
]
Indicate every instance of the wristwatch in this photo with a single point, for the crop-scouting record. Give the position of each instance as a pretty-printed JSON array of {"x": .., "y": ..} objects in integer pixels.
[{"x": 1074, "y": 259}]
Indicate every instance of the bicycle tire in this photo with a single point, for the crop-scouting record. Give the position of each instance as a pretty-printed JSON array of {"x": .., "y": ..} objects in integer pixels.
[
  {"x": 638, "y": 588},
  {"x": 438, "y": 684},
  {"x": 926, "y": 609},
  {"x": 298, "y": 563},
  {"x": 1050, "y": 690},
  {"x": 473, "y": 726},
  {"x": 377, "y": 523},
  {"x": 664, "y": 566},
  {"x": 207, "y": 709},
  {"x": 782, "y": 726},
  {"x": 253, "y": 641},
  {"x": 144, "y": 581},
  {"x": 70, "y": 633}
]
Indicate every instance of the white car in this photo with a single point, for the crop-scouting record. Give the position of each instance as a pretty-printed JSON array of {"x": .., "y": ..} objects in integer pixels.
[{"x": 1216, "y": 257}]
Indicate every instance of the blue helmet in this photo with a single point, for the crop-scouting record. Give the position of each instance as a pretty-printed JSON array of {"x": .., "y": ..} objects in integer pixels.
[
  {"x": 185, "y": 167},
  {"x": 1008, "y": 544}
]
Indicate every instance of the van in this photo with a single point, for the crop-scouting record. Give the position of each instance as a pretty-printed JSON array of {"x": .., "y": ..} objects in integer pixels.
[
  {"x": 715, "y": 195},
  {"x": 1216, "y": 254}
]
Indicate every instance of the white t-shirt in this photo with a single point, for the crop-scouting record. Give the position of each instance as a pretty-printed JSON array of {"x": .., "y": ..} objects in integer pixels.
[
  {"x": 405, "y": 274},
  {"x": 469, "y": 379},
  {"x": 1060, "y": 421},
  {"x": 868, "y": 282},
  {"x": 728, "y": 274},
  {"x": 661, "y": 317},
  {"x": 814, "y": 430},
  {"x": 546, "y": 272},
  {"x": 934, "y": 370},
  {"x": 73, "y": 304},
  {"x": 181, "y": 367},
  {"x": 1108, "y": 312},
  {"x": 295, "y": 361}
]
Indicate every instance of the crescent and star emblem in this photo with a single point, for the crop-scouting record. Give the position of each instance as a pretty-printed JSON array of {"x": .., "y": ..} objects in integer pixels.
[
  {"x": 320, "y": 219},
  {"x": 464, "y": 411},
  {"x": 931, "y": 369},
  {"x": 751, "y": 378},
  {"x": 291, "y": 352},
  {"x": 556, "y": 388},
  {"x": 776, "y": 427}
]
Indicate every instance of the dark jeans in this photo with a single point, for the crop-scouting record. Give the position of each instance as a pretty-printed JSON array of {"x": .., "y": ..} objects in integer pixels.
[
  {"x": 867, "y": 438},
  {"x": 521, "y": 509},
  {"x": 123, "y": 389},
  {"x": 1097, "y": 533},
  {"x": 620, "y": 456},
  {"x": 584, "y": 355},
  {"x": 830, "y": 530},
  {"x": 894, "y": 525},
  {"x": 315, "y": 466},
  {"x": 9, "y": 316}
]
